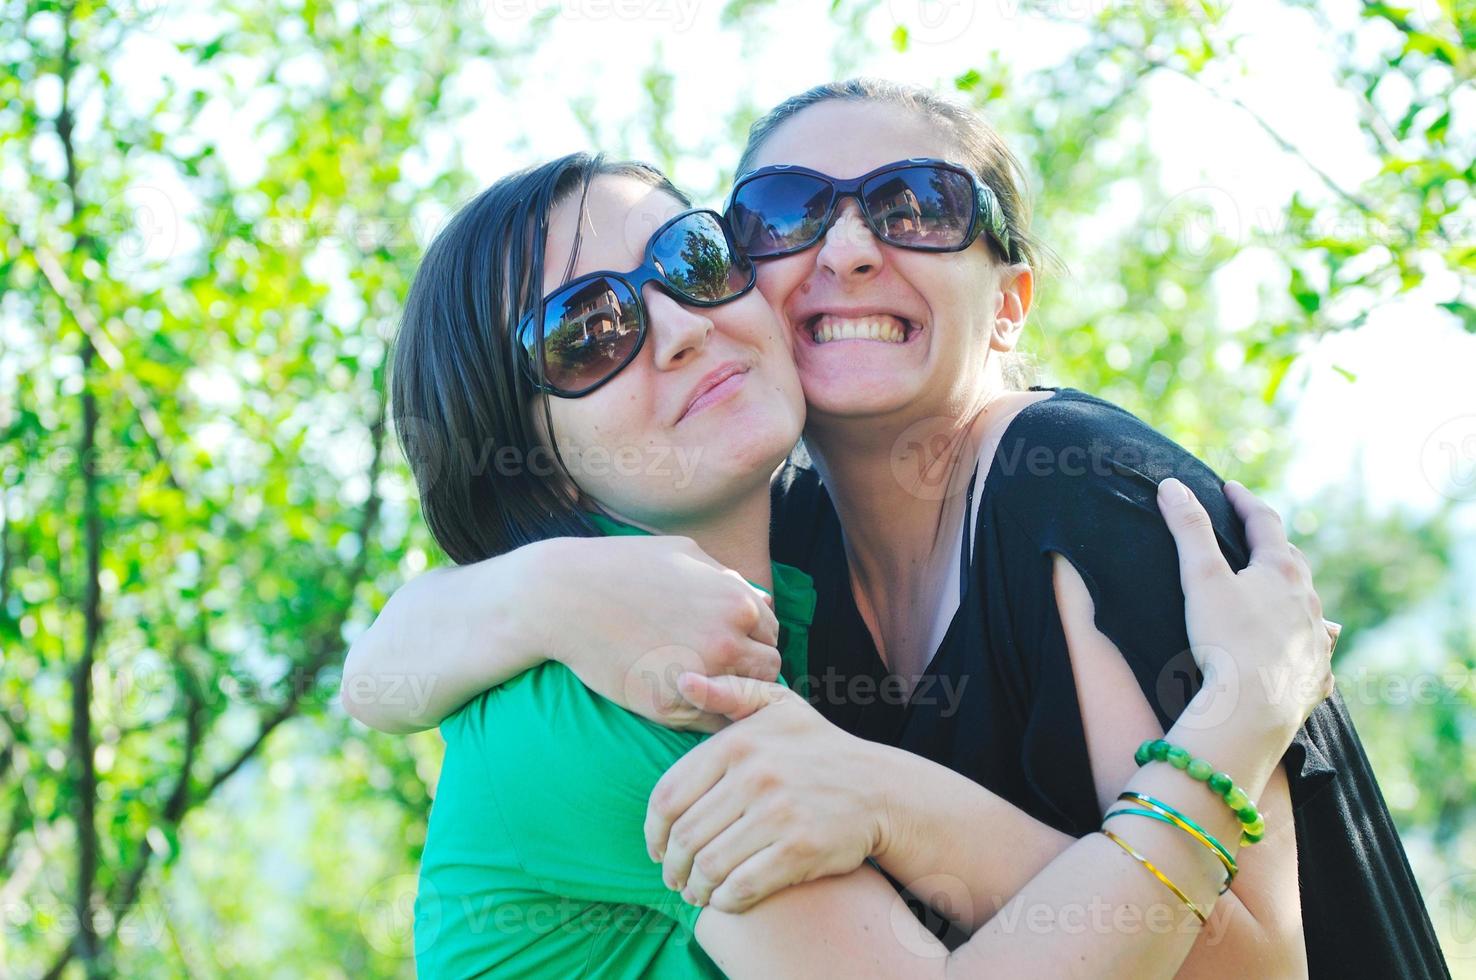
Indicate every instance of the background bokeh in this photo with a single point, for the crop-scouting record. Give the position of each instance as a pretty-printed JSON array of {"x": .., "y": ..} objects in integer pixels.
[{"x": 209, "y": 213}]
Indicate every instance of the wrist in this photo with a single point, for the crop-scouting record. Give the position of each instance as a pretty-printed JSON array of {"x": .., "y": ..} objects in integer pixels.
[
  {"x": 1249, "y": 705},
  {"x": 885, "y": 804},
  {"x": 535, "y": 569},
  {"x": 1246, "y": 740}
]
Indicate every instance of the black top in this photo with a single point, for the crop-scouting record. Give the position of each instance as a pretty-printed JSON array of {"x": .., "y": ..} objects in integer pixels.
[{"x": 1078, "y": 476}]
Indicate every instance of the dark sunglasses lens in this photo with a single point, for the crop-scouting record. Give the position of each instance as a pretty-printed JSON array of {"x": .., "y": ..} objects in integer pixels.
[
  {"x": 698, "y": 262},
  {"x": 590, "y": 329},
  {"x": 921, "y": 207},
  {"x": 778, "y": 212}
]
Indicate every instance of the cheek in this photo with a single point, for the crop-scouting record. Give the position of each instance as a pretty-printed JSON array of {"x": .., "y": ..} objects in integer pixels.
[
  {"x": 780, "y": 279},
  {"x": 958, "y": 294},
  {"x": 598, "y": 427}
]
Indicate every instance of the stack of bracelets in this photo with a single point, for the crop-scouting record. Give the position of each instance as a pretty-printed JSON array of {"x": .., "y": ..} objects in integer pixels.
[{"x": 1252, "y": 824}]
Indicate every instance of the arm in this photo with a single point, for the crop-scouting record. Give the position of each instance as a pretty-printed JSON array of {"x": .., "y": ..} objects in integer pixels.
[
  {"x": 1256, "y": 928},
  {"x": 631, "y": 614},
  {"x": 1089, "y": 913},
  {"x": 443, "y": 638},
  {"x": 926, "y": 834}
]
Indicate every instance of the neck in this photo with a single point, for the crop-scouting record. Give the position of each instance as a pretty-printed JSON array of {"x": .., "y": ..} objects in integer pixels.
[
  {"x": 899, "y": 488},
  {"x": 735, "y": 535}
]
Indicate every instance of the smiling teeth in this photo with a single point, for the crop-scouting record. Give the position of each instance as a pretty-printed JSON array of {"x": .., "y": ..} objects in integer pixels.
[{"x": 887, "y": 329}]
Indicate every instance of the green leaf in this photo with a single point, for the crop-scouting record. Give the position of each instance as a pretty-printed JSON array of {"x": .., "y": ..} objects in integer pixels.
[
  {"x": 899, "y": 37},
  {"x": 1464, "y": 311},
  {"x": 1307, "y": 297}
]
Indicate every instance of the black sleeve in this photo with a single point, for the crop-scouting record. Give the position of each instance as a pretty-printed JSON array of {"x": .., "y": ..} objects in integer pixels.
[{"x": 1079, "y": 477}]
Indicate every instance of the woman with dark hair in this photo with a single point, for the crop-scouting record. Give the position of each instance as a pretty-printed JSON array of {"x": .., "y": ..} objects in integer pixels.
[{"x": 991, "y": 569}]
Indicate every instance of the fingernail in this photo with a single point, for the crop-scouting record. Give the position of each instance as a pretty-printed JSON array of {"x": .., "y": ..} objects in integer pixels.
[{"x": 1173, "y": 491}]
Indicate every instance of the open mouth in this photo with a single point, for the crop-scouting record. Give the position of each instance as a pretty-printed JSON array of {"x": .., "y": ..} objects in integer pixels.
[{"x": 883, "y": 328}]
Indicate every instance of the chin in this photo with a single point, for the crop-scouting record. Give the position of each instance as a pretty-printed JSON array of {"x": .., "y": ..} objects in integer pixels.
[
  {"x": 759, "y": 442},
  {"x": 858, "y": 397}
]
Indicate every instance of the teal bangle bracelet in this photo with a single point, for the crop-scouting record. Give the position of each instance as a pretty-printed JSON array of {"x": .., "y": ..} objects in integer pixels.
[
  {"x": 1231, "y": 869},
  {"x": 1174, "y": 815},
  {"x": 1252, "y": 824}
]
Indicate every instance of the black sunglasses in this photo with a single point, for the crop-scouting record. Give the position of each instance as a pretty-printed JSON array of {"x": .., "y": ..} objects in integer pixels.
[
  {"x": 922, "y": 204},
  {"x": 586, "y": 331}
]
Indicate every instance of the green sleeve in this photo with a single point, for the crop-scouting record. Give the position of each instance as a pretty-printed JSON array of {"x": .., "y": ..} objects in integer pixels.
[{"x": 570, "y": 774}]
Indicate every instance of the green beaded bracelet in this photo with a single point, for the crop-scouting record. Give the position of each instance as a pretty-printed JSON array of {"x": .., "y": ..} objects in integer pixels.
[{"x": 1252, "y": 824}]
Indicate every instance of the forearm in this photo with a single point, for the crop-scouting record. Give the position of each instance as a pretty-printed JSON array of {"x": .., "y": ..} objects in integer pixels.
[
  {"x": 966, "y": 851},
  {"x": 954, "y": 844},
  {"x": 443, "y": 638}
]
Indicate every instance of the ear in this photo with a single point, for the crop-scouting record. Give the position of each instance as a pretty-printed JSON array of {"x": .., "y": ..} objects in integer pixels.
[{"x": 1012, "y": 302}]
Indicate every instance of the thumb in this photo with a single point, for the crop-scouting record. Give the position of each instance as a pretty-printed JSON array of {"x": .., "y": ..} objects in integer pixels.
[
  {"x": 1194, "y": 533},
  {"x": 727, "y": 694}
]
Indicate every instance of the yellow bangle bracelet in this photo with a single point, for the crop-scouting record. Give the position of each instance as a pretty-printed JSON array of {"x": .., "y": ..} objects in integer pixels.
[
  {"x": 1131, "y": 852},
  {"x": 1170, "y": 816}
]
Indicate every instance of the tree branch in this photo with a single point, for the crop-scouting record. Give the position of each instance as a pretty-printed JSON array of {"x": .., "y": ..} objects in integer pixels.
[
  {"x": 98, "y": 341},
  {"x": 1281, "y": 141},
  {"x": 325, "y": 651},
  {"x": 85, "y": 799}
]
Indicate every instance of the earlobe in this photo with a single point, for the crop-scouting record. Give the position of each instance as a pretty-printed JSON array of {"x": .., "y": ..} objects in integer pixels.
[
  {"x": 1017, "y": 290},
  {"x": 1006, "y": 334}
]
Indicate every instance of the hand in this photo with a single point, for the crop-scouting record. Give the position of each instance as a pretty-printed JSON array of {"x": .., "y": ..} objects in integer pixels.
[
  {"x": 629, "y": 615},
  {"x": 1261, "y": 626},
  {"x": 778, "y": 798}
]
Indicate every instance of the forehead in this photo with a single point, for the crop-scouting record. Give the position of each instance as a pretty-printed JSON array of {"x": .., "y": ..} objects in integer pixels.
[
  {"x": 618, "y": 218},
  {"x": 847, "y": 139}
]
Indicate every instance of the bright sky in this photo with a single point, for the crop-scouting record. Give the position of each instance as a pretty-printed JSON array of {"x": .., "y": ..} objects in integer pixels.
[{"x": 1407, "y": 427}]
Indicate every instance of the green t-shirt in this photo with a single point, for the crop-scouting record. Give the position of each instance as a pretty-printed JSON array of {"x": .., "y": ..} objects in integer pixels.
[{"x": 535, "y": 860}]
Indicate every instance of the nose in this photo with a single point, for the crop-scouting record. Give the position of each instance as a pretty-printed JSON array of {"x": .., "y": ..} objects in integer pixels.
[
  {"x": 677, "y": 333},
  {"x": 849, "y": 250}
]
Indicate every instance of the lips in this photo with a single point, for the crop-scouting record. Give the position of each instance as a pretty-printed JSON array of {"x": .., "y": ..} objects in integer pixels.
[{"x": 714, "y": 387}]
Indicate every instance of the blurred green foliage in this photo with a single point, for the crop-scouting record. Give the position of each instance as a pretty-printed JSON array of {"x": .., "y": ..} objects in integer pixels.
[{"x": 201, "y": 503}]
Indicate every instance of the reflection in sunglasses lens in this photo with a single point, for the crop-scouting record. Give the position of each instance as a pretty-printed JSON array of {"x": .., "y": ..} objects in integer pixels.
[
  {"x": 920, "y": 206},
  {"x": 694, "y": 255},
  {"x": 589, "y": 331},
  {"x": 778, "y": 212}
]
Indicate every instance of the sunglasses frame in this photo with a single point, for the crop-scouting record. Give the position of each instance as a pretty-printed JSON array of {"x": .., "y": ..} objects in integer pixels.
[
  {"x": 987, "y": 215},
  {"x": 635, "y": 280}
]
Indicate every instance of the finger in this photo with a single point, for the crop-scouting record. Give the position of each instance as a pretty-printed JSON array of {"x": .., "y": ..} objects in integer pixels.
[
  {"x": 1264, "y": 531},
  {"x": 683, "y": 784},
  {"x": 699, "y": 721},
  {"x": 704, "y": 820},
  {"x": 741, "y": 840},
  {"x": 1334, "y": 630},
  {"x": 735, "y": 697},
  {"x": 766, "y": 630},
  {"x": 765, "y": 626},
  {"x": 1303, "y": 566},
  {"x": 754, "y": 880},
  {"x": 758, "y": 661},
  {"x": 1194, "y": 534}
]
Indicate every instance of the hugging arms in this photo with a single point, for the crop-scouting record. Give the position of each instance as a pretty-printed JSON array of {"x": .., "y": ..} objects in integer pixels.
[{"x": 867, "y": 284}]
